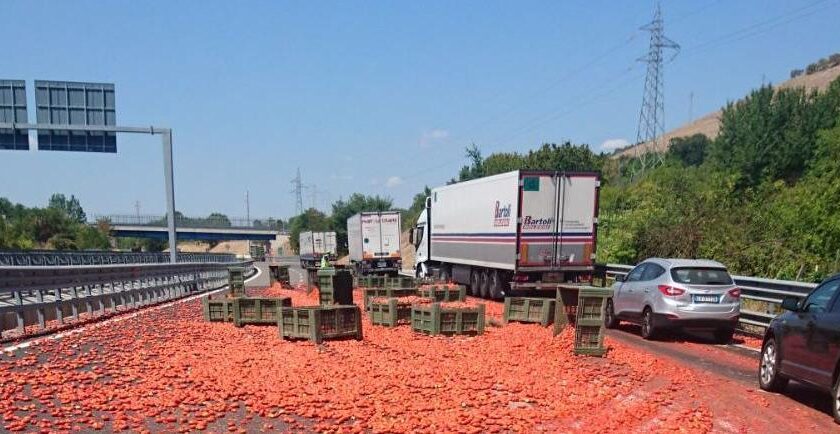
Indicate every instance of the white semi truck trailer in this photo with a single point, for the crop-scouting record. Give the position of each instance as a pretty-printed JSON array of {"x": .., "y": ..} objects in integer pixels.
[
  {"x": 314, "y": 246},
  {"x": 373, "y": 239},
  {"x": 521, "y": 230}
]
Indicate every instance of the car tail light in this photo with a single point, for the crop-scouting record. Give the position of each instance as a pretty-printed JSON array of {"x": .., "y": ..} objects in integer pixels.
[
  {"x": 735, "y": 292},
  {"x": 671, "y": 291}
]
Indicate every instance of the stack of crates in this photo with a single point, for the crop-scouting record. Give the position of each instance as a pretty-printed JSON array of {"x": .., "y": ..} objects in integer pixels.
[
  {"x": 335, "y": 287},
  {"x": 525, "y": 309},
  {"x": 236, "y": 281},
  {"x": 589, "y": 323}
]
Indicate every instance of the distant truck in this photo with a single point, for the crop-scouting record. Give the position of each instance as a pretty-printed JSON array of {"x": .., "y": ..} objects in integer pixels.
[
  {"x": 257, "y": 251},
  {"x": 512, "y": 232},
  {"x": 316, "y": 245},
  {"x": 374, "y": 242}
]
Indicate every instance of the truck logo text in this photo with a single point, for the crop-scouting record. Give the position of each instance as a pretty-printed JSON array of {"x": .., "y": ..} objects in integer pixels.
[
  {"x": 537, "y": 223},
  {"x": 501, "y": 215}
]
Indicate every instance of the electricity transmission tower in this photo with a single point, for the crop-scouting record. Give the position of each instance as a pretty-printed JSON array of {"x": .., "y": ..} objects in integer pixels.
[
  {"x": 297, "y": 190},
  {"x": 652, "y": 115}
]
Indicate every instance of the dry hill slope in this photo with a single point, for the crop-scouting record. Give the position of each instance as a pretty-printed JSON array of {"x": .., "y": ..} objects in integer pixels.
[{"x": 710, "y": 123}]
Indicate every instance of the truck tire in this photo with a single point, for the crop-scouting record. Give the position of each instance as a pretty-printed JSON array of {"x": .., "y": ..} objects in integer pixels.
[
  {"x": 497, "y": 285},
  {"x": 475, "y": 283},
  {"x": 485, "y": 283}
]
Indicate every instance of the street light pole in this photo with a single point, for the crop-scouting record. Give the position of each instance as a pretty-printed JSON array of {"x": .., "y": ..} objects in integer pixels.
[{"x": 168, "y": 173}]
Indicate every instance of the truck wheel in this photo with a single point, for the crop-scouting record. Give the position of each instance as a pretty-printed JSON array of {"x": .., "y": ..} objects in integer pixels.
[
  {"x": 497, "y": 285},
  {"x": 475, "y": 283},
  {"x": 485, "y": 283}
]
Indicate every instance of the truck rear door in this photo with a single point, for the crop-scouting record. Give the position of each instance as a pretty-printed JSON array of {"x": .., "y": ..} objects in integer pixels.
[
  {"x": 390, "y": 234},
  {"x": 557, "y": 220},
  {"x": 371, "y": 236}
]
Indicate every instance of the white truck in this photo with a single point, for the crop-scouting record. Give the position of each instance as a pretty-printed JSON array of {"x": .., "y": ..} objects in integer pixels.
[
  {"x": 314, "y": 246},
  {"x": 373, "y": 239},
  {"x": 521, "y": 230}
]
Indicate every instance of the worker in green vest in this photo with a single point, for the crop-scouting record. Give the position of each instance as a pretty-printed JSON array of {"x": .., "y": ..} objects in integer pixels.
[{"x": 324, "y": 263}]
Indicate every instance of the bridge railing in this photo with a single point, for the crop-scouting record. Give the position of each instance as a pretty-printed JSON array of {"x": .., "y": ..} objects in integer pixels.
[
  {"x": 24, "y": 258},
  {"x": 761, "y": 298},
  {"x": 44, "y": 297},
  {"x": 212, "y": 222}
]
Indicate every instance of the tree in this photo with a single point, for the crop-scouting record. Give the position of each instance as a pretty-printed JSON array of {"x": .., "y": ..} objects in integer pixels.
[
  {"x": 218, "y": 220},
  {"x": 71, "y": 207},
  {"x": 690, "y": 151},
  {"x": 342, "y": 210},
  {"x": 310, "y": 220}
]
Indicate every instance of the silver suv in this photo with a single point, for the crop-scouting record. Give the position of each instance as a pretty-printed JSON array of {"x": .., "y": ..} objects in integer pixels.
[{"x": 663, "y": 294}]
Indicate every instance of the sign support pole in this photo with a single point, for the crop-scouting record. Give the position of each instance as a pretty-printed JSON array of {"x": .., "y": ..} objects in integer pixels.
[{"x": 168, "y": 172}]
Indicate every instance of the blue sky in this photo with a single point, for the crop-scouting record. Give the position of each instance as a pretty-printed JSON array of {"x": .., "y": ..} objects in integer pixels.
[{"x": 372, "y": 97}]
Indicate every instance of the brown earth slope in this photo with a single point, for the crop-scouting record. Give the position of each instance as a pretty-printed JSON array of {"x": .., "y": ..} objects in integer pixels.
[{"x": 710, "y": 123}]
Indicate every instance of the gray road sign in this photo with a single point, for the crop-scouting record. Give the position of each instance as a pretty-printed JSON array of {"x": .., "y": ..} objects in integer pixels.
[
  {"x": 72, "y": 103},
  {"x": 13, "y": 111}
]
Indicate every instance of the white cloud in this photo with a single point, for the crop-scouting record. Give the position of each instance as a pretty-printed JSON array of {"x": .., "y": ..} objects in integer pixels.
[
  {"x": 610, "y": 145},
  {"x": 393, "y": 181},
  {"x": 430, "y": 137}
]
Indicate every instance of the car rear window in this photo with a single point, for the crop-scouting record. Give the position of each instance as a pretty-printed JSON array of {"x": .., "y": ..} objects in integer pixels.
[{"x": 701, "y": 276}]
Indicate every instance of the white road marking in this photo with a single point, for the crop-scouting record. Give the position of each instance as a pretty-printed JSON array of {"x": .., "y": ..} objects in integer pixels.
[{"x": 97, "y": 324}]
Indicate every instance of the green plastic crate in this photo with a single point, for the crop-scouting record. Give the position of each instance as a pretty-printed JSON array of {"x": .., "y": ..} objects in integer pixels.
[
  {"x": 335, "y": 286},
  {"x": 278, "y": 273},
  {"x": 531, "y": 310},
  {"x": 320, "y": 323},
  {"x": 433, "y": 319},
  {"x": 257, "y": 310},
  {"x": 444, "y": 292},
  {"x": 220, "y": 310},
  {"x": 400, "y": 282},
  {"x": 390, "y": 313},
  {"x": 589, "y": 340},
  {"x": 370, "y": 281},
  {"x": 369, "y": 293}
]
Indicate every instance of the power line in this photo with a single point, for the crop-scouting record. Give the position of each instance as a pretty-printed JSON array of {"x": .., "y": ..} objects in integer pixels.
[
  {"x": 297, "y": 191},
  {"x": 652, "y": 114}
]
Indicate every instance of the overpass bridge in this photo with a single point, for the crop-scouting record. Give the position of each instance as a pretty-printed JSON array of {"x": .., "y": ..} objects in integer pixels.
[{"x": 212, "y": 228}]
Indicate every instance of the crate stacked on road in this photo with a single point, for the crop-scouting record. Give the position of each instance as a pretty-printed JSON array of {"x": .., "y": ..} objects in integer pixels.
[
  {"x": 393, "y": 311},
  {"x": 236, "y": 281},
  {"x": 217, "y": 310},
  {"x": 335, "y": 286},
  {"x": 279, "y": 273},
  {"x": 589, "y": 324},
  {"x": 319, "y": 323},
  {"x": 447, "y": 319},
  {"x": 443, "y": 292},
  {"x": 369, "y": 293},
  {"x": 385, "y": 282},
  {"x": 530, "y": 310},
  {"x": 258, "y": 310}
]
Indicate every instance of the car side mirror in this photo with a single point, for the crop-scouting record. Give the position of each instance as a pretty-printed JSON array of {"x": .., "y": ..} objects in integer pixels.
[
  {"x": 620, "y": 277},
  {"x": 791, "y": 304}
]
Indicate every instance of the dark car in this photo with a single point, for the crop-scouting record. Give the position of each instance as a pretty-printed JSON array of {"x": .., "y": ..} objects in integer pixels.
[{"x": 803, "y": 343}]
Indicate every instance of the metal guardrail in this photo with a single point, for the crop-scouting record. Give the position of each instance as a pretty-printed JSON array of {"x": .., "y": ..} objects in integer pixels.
[
  {"x": 769, "y": 292},
  {"x": 68, "y": 258},
  {"x": 44, "y": 296}
]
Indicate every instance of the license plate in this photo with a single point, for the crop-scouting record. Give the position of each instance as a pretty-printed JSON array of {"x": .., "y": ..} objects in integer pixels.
[
  {"x": 381, "y": 264},
  {"x": 706, "y": 298}
]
